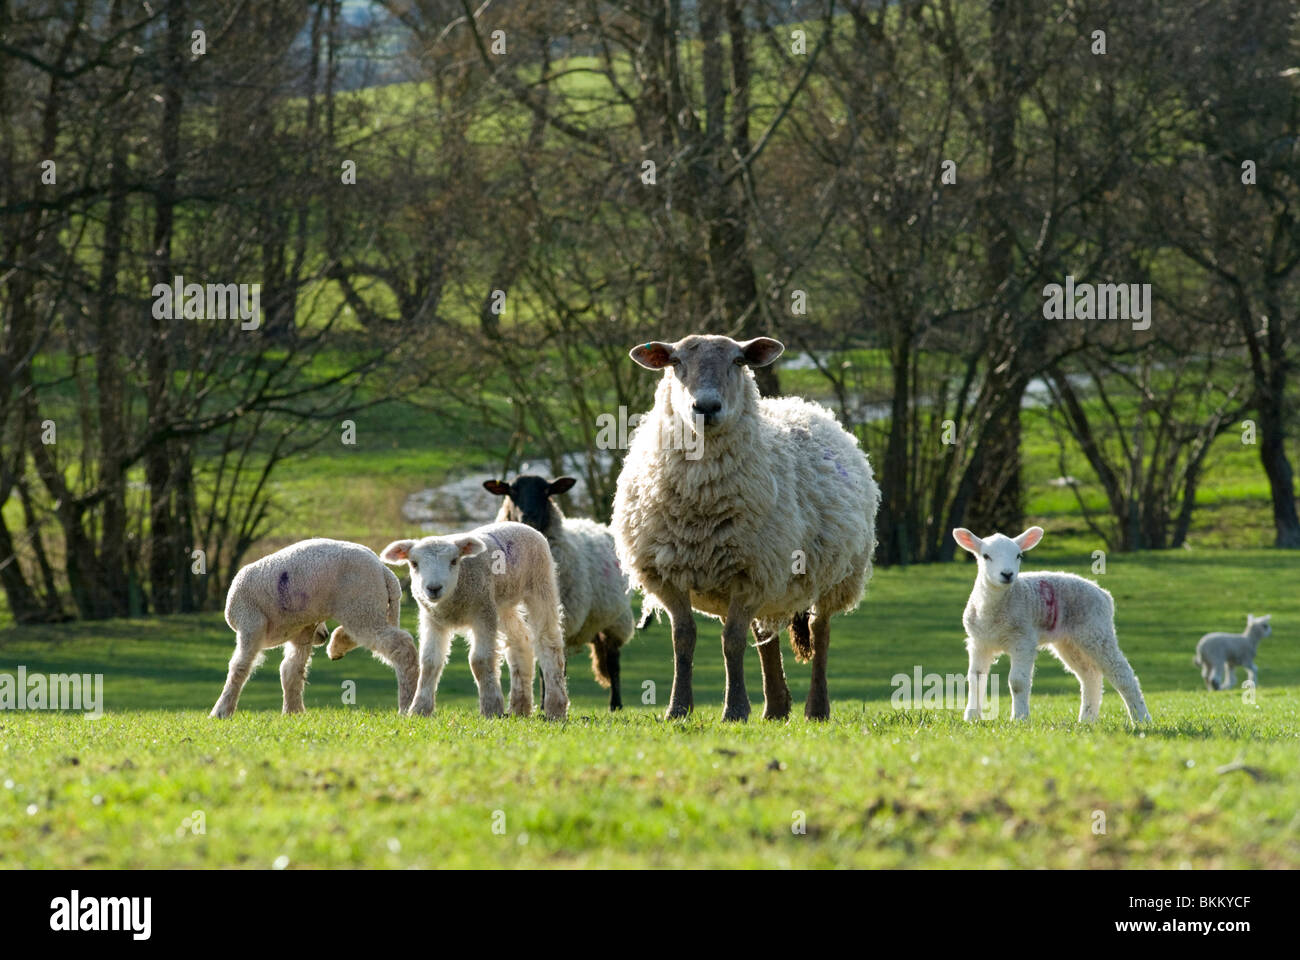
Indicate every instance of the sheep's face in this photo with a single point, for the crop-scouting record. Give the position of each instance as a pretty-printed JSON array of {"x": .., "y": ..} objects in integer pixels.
[
  {"x": 999, "y": 557},
  {"x": 434, "y": 562},
  {"x": 708, "y": 374},
  {"x": 528, "y": 498},
  {"x": 1259, "y": 626}
]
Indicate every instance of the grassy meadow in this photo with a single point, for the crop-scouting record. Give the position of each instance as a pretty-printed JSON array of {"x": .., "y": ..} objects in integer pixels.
[{"x": 1211, "y": 783}]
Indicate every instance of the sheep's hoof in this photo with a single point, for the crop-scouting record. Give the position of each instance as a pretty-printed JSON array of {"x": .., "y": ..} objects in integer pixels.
[
  {"x": 738, "y": 713},
  {"x": 420, "y": 709},
  {"x": 677, "y": 711},
  {"x": 818, "y": 711},
  {"x": 777, "y": 709},
  {"x": 220, "y": 713}
]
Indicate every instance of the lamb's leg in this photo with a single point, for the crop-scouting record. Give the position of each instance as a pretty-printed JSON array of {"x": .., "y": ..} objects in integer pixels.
[
  {"x": 548, "y": 646},
  {"x": 1207, "y": 674},
  {"x": 435, "y": 646},
  {"x": 293, "y": 670},
  {"x": 520, "y": 660},
  {"x": 1121, "y": 676},
  {"x": 979, "y": 662},
  {"x": 776, "y": 692},
  {"x": 485, "y": 663},
  {"x": 735, "y": 703},
  {"x": 1021, "y": 675},
  {"x": 678, "y": 605},
  {"x": 249, "y": 641},
  {"x": 340, "y": 643},
  {"x": 1088, "y": 674},
  {"x": 1254, "y": 674},
  {"x": 818, "y": 706},
  {"x": 1229, "y": 675}
]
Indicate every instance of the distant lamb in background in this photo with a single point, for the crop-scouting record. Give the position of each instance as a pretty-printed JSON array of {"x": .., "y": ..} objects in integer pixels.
[
  {"x": 1017, "y": 614},
  {"x": 478, "y": 581},
  {"x": 755, "y": 510},
  {"x": 1222, "y": 653},
  {"x": 593, "y": 588},
  {"x": 285, "y": 597}
]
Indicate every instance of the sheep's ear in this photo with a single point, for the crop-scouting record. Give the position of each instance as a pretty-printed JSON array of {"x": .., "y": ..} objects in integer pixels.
[
  {"x": 499, "y": 487},
  {"x": 470, "y": 546},
  {"x": 761, "y": 351},
  {"x": 399, "y": 551},
  {"x": 1029, "y": 539},
  {"x": 562, "y": 485},
  {"x": 654, "y": 355},
  {"x": 967, "y": 540}
]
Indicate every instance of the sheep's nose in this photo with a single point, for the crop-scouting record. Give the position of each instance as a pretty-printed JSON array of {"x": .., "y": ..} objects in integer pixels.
[
  {"x": 433, "y": 592},
  {"x": 707, "y": 407},
  {"x": 1006, "y": 576}
]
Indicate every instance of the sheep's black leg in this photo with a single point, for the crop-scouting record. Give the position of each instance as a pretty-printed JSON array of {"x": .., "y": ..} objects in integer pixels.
[
  {"x": 735, "y": 706},
  {"x": 612, "y": 666},
  {"x": 776, "y": 692},
  {"x": 818, "y": 705}
]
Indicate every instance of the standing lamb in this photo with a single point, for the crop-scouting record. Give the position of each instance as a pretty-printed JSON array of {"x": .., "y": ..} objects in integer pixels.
[
  {"x": 478, "y": 581},
  {"x": 1071, "y": 616},
  {"x": 754, "y": 510},
  {"x": 1224, "y": 652},
  {"x": 286, "y": 597},
  {"x": 593, "y": 590}
]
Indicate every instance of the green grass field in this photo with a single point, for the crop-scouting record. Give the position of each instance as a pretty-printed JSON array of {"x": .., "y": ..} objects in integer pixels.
[{"x": 358, "y": 785}]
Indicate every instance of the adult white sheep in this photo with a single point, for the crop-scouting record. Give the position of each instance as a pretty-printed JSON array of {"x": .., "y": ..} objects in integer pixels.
[
  {"x": 754, "y": 510},
  {"x": 593, "y": 589},
  {"x": 1014, "y": 613},
  {"x": 285, "y": 597},
  {"x": 478, "y": 581}
]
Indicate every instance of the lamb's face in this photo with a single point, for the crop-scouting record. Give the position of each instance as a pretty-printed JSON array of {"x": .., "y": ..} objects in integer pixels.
[
  {"x": 999, "y": 557},
  {"x": 434, "y": 564},
  {"x": 1259, "y": 626},
  {"x": 707, "y": 374},
  {"x": 528, "y": 498}
]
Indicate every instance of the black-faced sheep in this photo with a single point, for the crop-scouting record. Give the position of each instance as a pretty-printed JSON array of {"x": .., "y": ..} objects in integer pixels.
[{"x": 593, "y": 588}]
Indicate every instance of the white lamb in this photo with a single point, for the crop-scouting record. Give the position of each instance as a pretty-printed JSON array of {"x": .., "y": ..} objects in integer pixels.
[
  {"x": 1222, "y": 653},
  {"x": 758, "y": 511},
  {"x": 593, "y": 589},
  {"x": 285, "y": 597},
  {"x": 1016, "y": 614},
  {"x": 478, "y": 581}
]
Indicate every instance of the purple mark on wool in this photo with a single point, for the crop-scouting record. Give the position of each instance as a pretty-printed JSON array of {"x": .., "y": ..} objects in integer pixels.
[
  {"x": 839, "y": 467},
  {"x": 506, "y": 548},
  {"x": 291, "y": 601}
]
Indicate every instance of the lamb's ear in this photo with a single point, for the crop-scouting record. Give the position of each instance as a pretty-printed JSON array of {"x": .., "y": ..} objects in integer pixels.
[
  {"x": 562, "y": 485},
  {"x": 470, "y": 546},
  {"x": 399, "y": 551},
  {"x": 1029, "y": 539},
  {"x": 499, "y": 487},
  {"x": 761, "y": 351},
  {"x": 654, "y": 355},
  {"x": 967, "y": 540}
]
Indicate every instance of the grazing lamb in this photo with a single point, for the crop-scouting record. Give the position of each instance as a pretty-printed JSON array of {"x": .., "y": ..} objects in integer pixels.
[
  {"x": 754, "y": 510},
  {"x": 1017, "y": 614},
  {"x": 593, "y": 590},
  {"x": 478, "y": 581},
  {"x": 286, "y": 597},
  {"x": 1224, "y": 652}
]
